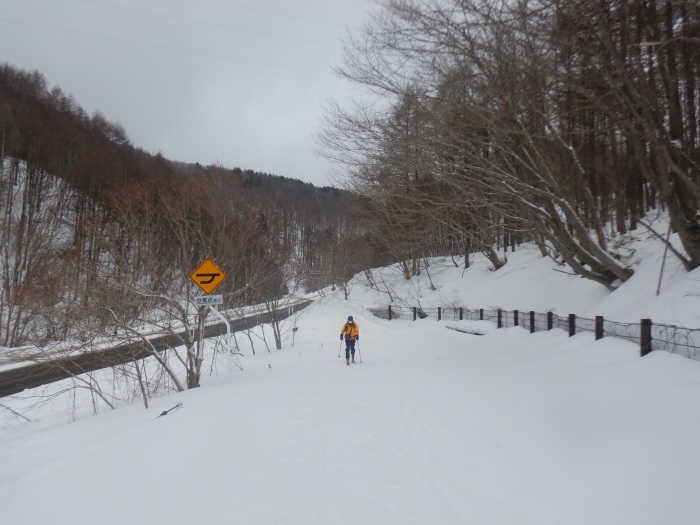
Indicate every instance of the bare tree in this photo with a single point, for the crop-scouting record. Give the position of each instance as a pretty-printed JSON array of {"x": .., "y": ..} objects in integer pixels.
[{"x": 527, "y": 120}]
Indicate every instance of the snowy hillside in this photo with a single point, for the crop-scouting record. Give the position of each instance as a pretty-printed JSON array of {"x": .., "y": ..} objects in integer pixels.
[
  {"x": 433, "y": 426},
  {"x": 532, "y": 282}
]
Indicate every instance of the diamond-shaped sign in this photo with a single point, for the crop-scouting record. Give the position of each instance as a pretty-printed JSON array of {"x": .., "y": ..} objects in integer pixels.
[{"x": 208, "y": 276}]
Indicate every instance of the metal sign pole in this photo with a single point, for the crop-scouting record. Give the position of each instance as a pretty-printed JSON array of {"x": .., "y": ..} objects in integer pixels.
[{"x": 228, "y": 334}]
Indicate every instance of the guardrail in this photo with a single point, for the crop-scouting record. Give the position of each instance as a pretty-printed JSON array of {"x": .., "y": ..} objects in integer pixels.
[
  {"x": 650, "y": 336},
  {"x": 38, "y": 373}
]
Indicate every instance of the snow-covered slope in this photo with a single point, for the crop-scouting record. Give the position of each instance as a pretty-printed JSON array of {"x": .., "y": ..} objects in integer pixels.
[
  {"x": 531, "y": 282},
  {"x": 433, "y": 426}
]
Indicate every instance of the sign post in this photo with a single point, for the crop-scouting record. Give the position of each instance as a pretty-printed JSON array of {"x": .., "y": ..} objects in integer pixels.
[{"x": 208, "y": 276}]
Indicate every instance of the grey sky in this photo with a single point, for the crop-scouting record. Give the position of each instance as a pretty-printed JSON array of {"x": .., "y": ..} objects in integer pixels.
[{"x": 240, "y": 83}]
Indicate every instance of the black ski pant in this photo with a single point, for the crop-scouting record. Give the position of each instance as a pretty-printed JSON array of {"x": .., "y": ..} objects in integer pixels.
[{"x": 349, "y": 348}]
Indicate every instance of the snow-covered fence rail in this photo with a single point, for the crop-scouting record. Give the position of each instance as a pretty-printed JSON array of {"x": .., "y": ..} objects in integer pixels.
[{"x": 649, "y": 336}]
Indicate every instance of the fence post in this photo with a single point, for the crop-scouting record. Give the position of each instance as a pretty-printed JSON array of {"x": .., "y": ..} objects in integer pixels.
[
  {"x": 515, "y": 318},
  {"x": 481, "y": 314},
  {"x": 550, "y": 320},
  {"x": 439, "y": 313},
  {"x": 461, "y": 313},
  {"x": 645, "y": 337},
  {"x": 598, "y": 327},
  {"x": 572, "y": 325},
  {"x": 500, "y": 323},
  {"x": 414, "y": 313},
  {"x": 532, "y": 322},
  {"x": 389, "y": 312}
]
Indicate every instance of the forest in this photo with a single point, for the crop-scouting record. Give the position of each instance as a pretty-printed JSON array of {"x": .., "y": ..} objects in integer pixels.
[
  {"x": 99, "y": 236},
  {"x": 560, "y": 122}
]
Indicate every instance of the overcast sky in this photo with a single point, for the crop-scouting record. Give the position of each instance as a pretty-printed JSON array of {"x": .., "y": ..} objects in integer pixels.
[{"x": 241, "y": 83}]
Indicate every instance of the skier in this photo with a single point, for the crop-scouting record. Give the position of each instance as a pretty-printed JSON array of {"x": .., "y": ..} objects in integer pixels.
[{"x": 352, "y": 333}]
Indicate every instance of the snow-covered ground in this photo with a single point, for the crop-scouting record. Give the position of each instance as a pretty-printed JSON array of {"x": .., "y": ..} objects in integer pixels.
[{"x": 433, "y": 426}]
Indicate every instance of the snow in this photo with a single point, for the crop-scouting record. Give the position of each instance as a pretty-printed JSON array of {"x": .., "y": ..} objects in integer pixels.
[{"x": 433, "y": 426}]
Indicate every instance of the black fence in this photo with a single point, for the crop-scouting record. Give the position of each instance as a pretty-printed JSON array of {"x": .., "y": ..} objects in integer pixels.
[{"x": 649, "y": 336}]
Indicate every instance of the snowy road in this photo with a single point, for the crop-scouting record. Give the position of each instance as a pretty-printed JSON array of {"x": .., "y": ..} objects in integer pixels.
[{"x": 435, "y": 426}]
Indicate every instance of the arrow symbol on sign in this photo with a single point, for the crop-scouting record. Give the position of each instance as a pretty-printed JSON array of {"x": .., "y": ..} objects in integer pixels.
[
  {"x": 207, "y": 276},
  {"x": 211, "y": 277}
]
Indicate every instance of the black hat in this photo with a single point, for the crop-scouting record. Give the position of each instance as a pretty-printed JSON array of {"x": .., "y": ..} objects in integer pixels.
[{"x": 349, "y": 317}]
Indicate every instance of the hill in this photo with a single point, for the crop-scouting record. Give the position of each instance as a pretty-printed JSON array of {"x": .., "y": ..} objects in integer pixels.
[
  {"x": 82, "y": 207},
  {"x": 529, "y": 281}
]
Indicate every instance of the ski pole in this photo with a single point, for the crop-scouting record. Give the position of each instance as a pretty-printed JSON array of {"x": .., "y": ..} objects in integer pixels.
[{"x": 359, "y": 351}]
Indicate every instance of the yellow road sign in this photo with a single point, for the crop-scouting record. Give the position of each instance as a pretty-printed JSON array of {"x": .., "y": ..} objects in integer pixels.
[{"x": 208, "y": 276}]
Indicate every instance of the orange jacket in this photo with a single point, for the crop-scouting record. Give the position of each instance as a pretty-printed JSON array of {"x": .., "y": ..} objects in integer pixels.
[{"x": 351, "y": 331}]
